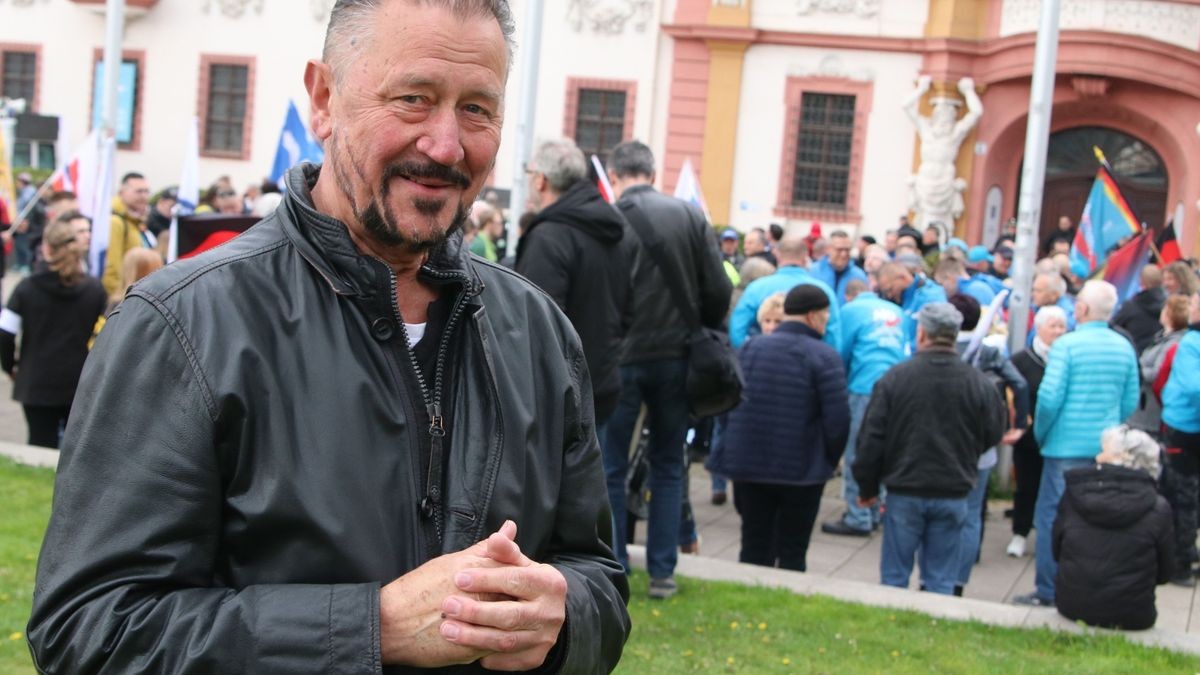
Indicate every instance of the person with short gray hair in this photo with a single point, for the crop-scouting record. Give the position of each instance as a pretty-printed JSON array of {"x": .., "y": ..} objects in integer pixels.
[
  {"x": 928, "y": 422},
  {"x": 579, "y": 250},
  {"x": 1113, "y": 535},
  {"x": 1091, "y": 383}
]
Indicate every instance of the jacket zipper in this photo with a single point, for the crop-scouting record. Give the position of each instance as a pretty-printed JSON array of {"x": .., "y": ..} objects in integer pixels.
[{"x": 431, "y": 502}]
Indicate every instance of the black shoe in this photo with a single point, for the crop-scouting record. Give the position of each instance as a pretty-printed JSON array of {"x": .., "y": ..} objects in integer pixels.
[
  {"x": 719, "y": 497},
  {"x": 1032, "y": 600},
  {"x": 1186, "y": 580},
  {"x": 840, "y": 527}
]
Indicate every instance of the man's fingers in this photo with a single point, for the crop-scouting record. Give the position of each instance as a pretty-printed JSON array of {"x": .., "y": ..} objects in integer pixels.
[
  {"x": 509, "y": 530},
  {"x": 504, "y": 550},
  {"x": 524, "y": 649},
  {"x": 523, "y": 583}
]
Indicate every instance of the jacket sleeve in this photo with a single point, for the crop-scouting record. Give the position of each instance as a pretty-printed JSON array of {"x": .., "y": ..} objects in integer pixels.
[
  {"x": 1020, "y": 391},
  {"x": 715, "y": 287},
  {"x": 126, "y": 579},
  {"x": 1133, "y": 386},
  {"x": 114, "y": 257},
  {"x": 995, "y": 417},
  {"x": 835, "y": 407},
  {"x": 545, "y": 260},
  {"x": 597, "y": 589},
  {"x": 1052, "y": 392},
  {"x": 833, "y": 329},
  {"x": 872, "y": 441}
]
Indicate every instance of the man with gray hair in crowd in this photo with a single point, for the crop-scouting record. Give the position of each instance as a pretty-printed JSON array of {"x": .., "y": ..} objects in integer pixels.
[
  {"x": 382, "y": 458},
  {"x": 578, "y": 249},
  {"x": 1091, "y": 383},
  {"x": 928, "y": 422}
]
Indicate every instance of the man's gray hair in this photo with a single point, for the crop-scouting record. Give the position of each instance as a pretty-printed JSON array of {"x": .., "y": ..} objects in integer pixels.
[
  {"x": 561, "y": 162},
  {"x": 352, "y": 22},
  {"x": 632, "y": 159},
  {"x": 1100, "y": 298},
  {"x": 941, "y": 322},
  {"x": 1057, "y": 283},
  {"x": 1132, "y": 448}
]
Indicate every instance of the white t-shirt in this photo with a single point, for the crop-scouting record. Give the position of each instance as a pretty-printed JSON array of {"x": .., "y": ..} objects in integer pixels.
[{"x": 415, "y": 331}]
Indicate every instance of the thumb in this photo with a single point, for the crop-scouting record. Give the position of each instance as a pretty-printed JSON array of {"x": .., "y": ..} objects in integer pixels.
[{"x": 502, "y": 546}]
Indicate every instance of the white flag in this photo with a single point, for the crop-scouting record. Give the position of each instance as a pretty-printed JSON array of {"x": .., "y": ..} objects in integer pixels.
[
  {"x": 99, "y": 202},
  {"x": 688, "y": 188},
  {"x": 189, "y": 186}
]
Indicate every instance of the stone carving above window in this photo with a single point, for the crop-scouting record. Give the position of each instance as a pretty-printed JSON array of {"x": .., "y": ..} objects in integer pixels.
[
  {"x": 609, "y": 17},
  {"x": 1175, "y": 23},
  {"x": 234, "y": 9},
  {"x": 861, "y": 8}
]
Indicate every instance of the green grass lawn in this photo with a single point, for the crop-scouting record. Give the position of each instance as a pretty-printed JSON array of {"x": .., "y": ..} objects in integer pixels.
[
  {"x": 26, "y": 496},
  {"x": 708, "y": 627},
  {"x": 724, "y": 627}
]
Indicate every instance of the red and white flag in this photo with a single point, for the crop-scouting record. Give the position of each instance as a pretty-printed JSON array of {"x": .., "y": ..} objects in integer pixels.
[{"x": 602, "y": 184}]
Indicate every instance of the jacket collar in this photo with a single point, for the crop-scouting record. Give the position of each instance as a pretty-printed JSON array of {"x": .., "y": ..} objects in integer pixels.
[
  {"x": 636, "y": 190},
  {"x": 797, "y": 328},
  {"x": 325, "y": 243}
]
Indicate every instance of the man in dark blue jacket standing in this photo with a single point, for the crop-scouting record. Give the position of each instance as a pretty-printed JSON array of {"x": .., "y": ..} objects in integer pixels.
[{"x": 787, "y": 436}]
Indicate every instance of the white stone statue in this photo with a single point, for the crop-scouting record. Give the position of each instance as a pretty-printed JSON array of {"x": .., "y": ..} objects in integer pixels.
[{"x": 935, "y": 192}]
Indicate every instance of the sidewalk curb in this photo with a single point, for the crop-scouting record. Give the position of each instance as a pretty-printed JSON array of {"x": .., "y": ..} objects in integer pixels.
[
  {"x": 32, "y": 456},
  {"x": 939, "y": 606}
]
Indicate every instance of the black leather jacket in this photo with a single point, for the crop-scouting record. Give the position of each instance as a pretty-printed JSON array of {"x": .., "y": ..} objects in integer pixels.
[
  {"x": 659, "y": 330},
  {"x": 241, "y": 470}
]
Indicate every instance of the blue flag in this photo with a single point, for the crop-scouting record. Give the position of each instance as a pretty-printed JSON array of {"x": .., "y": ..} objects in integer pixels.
[{"x": 295, "y": 145}]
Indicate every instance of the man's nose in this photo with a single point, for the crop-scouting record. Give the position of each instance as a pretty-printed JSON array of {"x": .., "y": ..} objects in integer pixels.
[{"x": 442, "y": 140}]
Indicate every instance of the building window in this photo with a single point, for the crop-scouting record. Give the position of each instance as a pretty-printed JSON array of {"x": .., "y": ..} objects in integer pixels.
[
  {"x": 226, "y": 106},
  {"x": 599, "y": 114},
  {"x": 20, "y": 76},
  {"x": 824, "y": 141},
  {"x": 826, "y": 136},
  {"x": 131, "y": 74}
]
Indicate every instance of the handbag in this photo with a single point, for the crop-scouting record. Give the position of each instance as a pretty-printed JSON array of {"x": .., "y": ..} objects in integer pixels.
[{"x": 714, "y": 376}]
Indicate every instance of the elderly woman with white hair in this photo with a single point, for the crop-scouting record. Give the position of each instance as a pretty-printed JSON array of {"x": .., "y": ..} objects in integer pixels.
[
  {"x": 1113, "y": 535},
  {"x": 1048, "y": 325}
]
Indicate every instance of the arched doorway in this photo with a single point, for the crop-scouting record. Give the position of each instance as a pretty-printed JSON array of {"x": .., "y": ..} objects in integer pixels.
[{"x": 1071, "y": 168}]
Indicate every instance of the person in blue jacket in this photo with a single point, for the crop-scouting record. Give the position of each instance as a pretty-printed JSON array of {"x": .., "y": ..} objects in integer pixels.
[
  {"x": 911, "y": 292},
  {"x": 835, "y": 269},
  {"x": 792, "y": 254},
  {"x": 1181, "y": 415},
  {"x": 783, "y": 442},
  {"x": 1091, "y": 383},
  {"x": 872, "y": 342}
]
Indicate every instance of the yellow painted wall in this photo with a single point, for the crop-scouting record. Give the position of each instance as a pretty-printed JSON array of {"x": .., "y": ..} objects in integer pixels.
[{"x": 720, "y": 126}]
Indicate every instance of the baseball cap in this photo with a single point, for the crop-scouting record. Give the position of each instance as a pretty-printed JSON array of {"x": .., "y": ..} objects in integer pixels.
[
  {"x": 729, "y": 233},
  {"x": 979, "y": 254},
  {"x": 956, "y": 242}
]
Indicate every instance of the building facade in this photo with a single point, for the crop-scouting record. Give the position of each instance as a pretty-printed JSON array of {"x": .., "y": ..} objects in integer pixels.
[{"x": 790, "y": 110}]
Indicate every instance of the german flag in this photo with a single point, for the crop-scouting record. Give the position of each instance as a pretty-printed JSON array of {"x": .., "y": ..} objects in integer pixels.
[{"x": 1168, "y": 246}]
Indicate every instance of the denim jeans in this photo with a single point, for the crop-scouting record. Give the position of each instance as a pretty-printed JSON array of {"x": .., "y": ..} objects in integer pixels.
[
  {"x": 968, "y": 550},
  {"x": 1050, "y": 492},
  {"x": 933, "y": 525},
  {"x": 661, "y": 386},
  {"x": 860, "y": 517},
  {"x": 719, "y": 482}
]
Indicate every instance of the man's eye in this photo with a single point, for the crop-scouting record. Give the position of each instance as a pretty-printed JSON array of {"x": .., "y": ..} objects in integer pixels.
[{"x": 477, "y": 110}]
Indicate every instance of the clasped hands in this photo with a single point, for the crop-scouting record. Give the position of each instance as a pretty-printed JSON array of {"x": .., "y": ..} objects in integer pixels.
[{"x": 488, "y": 603}]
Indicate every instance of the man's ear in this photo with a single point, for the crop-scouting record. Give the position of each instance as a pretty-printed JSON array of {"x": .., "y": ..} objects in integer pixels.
[{"x": 318, "y": 80}]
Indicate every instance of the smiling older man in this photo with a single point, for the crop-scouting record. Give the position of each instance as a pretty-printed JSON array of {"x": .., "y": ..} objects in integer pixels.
[{"x": 339, "y": 444}]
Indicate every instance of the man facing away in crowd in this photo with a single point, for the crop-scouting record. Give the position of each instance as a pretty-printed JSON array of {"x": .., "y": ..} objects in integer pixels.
[
  {"x": 654, "y": 365},
  {"x": 1091, "y": 383},
  {"x": 835, "y": 269},
  {"x": 872, "y": 342},
  {"x": 792, "y": 253},
  {"x": 927, "y": 424},
  {"x": 896, "y": 282},
  {"x": 1139, "y": 315},
  {"x": 375, "y": 453},
  {"x": 578, "y": 249}
]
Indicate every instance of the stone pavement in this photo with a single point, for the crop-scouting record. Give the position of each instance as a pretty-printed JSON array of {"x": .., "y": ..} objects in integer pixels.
[{"x": 848, "y": 568}]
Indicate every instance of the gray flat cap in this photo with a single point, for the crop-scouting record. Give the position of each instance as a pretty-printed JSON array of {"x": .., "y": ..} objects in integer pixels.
[{"x": 941, "y": 321}]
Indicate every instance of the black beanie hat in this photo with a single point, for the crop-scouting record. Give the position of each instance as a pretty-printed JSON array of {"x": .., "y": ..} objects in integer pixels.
[{"x": 803, "y": 299}]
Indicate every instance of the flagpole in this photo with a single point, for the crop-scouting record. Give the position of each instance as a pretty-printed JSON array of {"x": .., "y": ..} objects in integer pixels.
[
  {"x": 40, "y": 191},
  {"x": 1033, "y": 172},
  {"x": 531, "y": 46}
]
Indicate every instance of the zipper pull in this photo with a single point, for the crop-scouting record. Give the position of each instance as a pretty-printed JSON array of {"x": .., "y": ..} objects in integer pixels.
[{"x": 437, "y": 426}]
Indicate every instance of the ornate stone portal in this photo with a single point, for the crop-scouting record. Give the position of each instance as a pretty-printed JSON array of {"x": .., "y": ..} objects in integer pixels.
[
  {"x": 935, "y": 192},
  {"x": 609, "y": 17}
]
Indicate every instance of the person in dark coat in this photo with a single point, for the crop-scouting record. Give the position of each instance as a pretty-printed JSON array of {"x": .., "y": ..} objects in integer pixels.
[
  {"x": 1139, "y": 315},
  {"x": 54, "y": 313},
  {"x": 578, "y": 249},
  {"x": 783, "y": 442},
  {"x": 1113, "y": 535},
  {"x": 927, "y": 424},
  {"x": 1050, "y": 323}
]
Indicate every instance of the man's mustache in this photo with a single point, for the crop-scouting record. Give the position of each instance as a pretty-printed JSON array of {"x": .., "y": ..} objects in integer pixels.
[{"x": 427, "y": 170}]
